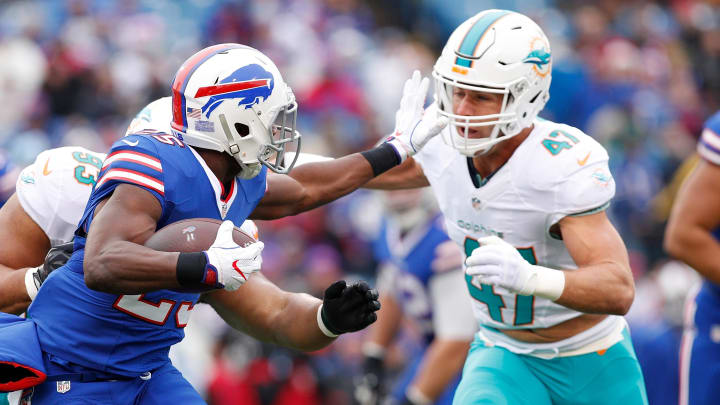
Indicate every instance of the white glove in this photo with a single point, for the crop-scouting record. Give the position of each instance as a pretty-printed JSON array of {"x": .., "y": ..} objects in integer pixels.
[
  {"x": 234, "y": 264},
  {"x": 414, "y": 126},
  {"x": 498, "y": 263}
]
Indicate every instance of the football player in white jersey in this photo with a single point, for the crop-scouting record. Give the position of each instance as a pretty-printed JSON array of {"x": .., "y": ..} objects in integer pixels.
[{"x": 525, "y": 198}]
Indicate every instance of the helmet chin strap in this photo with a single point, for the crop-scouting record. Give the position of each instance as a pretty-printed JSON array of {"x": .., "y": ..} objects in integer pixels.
[{"x": 249, "y": 170}]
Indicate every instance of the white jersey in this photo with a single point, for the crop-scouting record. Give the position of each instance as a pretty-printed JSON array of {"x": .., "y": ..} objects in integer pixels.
[
  {"x": 54, "y": 189},
  {"x": 557, "y": 171}
]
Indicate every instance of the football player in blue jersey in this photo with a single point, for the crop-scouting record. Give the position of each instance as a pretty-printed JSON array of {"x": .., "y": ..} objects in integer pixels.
[
  {"x": 420, "y": 278},
  {"x": 122, "y": 304},
  {"x": 692, "y": 235}
]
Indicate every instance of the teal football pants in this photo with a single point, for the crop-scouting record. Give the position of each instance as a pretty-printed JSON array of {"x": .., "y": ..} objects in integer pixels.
[{"x": 493, "y": 375}]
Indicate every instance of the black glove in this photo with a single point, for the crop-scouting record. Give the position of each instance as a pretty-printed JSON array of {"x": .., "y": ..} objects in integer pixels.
[
  {"x": 349, "y": 308},
  {"x": 370, "y": 388},
  {"x": 55, "y": 258}
]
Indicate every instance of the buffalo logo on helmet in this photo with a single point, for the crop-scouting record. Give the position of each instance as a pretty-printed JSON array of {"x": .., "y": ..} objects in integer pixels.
[{"x": 249, "y": 85}]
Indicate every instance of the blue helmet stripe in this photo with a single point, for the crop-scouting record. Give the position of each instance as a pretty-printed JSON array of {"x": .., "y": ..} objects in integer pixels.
[{"x": 476, "y": 32}]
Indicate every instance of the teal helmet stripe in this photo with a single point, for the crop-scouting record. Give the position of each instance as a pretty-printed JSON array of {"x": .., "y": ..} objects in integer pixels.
[
  {"x": 476, "y": 32},
  {"x": 463, "y": 62}
]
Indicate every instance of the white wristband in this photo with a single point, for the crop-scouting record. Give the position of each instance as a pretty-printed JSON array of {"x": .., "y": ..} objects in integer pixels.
[
  {"x": 372, "y": 349},
  {"x": 322, "y": 326},
  {"x": 30, "y": 286},
  {"x": 545, "y": 282},
  {"x": 417, "y": 397},
  {"x": 400, "y": 149}
]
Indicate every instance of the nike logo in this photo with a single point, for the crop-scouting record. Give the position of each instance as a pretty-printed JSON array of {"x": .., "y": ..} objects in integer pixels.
[
  {"x": 584, "y": 160},
  {"x": 130, "y": 143},
  {"x": 45, "y": 169},
  {"x": 234, "y": 264}
]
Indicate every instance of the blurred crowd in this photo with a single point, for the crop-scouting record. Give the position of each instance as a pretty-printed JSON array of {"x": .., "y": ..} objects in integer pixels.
[{"x": 639, "y": 76}]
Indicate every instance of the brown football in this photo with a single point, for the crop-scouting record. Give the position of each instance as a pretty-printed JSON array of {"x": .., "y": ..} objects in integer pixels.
[{"x": 192, "y": 235}]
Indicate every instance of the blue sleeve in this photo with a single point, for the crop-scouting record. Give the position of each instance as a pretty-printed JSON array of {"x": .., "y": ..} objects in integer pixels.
[
  {"x": 132, "y": 160},
  {"x": 709, "y": 143},
  {"x": 713, "y": 123}
]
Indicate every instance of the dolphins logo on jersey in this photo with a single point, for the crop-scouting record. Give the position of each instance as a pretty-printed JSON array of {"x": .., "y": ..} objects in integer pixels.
[{"x": 250, "y": 85}]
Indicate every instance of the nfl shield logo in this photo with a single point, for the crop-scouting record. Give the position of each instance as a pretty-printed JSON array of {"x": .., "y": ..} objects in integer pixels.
[
  {"x": 63, "y": 386},
  {"x": 477, "y": 203}
]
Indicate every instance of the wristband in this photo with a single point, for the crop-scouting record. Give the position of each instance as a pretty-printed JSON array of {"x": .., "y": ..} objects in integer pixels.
[
  {"x": 190, "y": 270},
  {"x": 30, "y": 286},
  {"x": 382, "y": 158},
  {"x": 545, "y": 283},
  {"x": 416, "y": 397},
  {"x": 372, "y": 349},
  {"x": 321, "y": 324}
]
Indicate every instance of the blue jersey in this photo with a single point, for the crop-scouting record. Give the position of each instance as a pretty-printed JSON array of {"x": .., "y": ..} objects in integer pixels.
[
  {"x": 131, "y": 334},
  {"x": 412, "y": 256},
  {"x": 709, "y": 149}
]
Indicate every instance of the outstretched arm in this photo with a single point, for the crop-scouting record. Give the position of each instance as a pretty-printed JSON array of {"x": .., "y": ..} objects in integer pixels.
[
  {"x": 694, "y": 217},
  {"x": 311, "y": 185},
  {"x": 25, "y": 245},
  {"x": 314, "y": 184},
  {"x": 407, "y": 175},
  {"x": 264, "y": 311},
  {"x": 295, "y": 320}
]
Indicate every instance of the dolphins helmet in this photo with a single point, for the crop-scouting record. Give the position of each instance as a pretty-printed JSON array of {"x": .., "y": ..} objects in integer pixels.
[
  {"x": 155, "y": 116},
  {"x": 231, "y": 98},
  {"x": 496, "y": 51}
]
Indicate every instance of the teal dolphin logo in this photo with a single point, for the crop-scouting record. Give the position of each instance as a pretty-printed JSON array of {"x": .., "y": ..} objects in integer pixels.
[{"x": 538, "y": 57}]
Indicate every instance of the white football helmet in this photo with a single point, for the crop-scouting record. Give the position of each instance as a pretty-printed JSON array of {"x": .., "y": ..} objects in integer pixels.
[
  {"x": 231, "y": 98},
  {"x": 157, "y": 116},
  {"x": 496, "y": 51},
  {"x": 409, "y": 208}
]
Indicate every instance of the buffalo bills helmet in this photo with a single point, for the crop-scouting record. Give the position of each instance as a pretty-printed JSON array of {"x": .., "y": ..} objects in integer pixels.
[{"x": 231, "y": 98}]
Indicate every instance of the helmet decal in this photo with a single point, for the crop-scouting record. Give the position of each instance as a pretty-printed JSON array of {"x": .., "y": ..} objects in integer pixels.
[
  {"x": 182, "y": 77},
  {"x": 232, "y": 98},
  {"x": 469, "y": 44},
  {"x": 250, "y": 84},
  {"x": 539, "y": 57}
]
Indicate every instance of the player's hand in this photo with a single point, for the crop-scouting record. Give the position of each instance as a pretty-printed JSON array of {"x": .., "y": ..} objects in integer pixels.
[
  {"x": 348, "y": 308},
  {"x": 370, "y": 388},
  {"x": 415, "y": 126},
  {"x": 496, "y": 262},
  {"x": 56, "y": 257},
  {"x": 231, "y": 263}
]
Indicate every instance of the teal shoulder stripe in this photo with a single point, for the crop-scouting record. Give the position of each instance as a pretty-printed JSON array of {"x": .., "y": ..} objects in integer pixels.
[
  {"x": 595, "y": 210},
  {"x": 467, "y": 47}
]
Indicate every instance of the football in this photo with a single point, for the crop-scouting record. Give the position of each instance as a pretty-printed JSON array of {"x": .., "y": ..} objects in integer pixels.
[
  {"x": 195, "y": 235},
  {"x": 192, "y": 235}
]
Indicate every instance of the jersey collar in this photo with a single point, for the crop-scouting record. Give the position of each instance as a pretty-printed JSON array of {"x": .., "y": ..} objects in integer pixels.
[{"x": 223, "y": 205}]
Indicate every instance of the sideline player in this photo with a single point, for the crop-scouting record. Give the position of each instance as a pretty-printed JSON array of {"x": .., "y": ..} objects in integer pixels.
[
  {"x": 692, "y": 236},
  {"x": 526, "y": 199},
  {"x": 231, "y": 105},
  {"x": 420, "y": 278}
]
